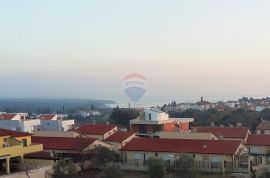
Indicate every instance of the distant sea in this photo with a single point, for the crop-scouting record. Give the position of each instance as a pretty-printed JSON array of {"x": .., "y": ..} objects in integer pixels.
[{"x": 160, "y": 101}]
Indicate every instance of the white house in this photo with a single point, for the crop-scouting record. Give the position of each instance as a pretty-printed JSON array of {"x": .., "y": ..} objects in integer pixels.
[
  {"x": 202, "y": 105},
  {"x": 54, "y": 122},
  {"x": 18, "y": 122}
]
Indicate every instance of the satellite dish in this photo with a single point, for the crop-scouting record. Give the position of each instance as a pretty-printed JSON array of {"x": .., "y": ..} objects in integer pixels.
[{"x": 134, "y": 85}]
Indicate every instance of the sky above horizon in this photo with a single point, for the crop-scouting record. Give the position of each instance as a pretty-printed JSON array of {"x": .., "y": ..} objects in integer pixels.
[{"x": 84, "y": 49}]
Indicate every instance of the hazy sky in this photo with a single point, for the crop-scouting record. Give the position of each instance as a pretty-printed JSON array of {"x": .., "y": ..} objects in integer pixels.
[{"x": 76, "y": 48}]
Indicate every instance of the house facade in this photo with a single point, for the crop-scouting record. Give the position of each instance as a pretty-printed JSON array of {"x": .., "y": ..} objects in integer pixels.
[
  {"x": 18, "y": 122},
  {"x": 13, "y": 146},
  {"x": 54, "y": 122},
  {"x": 153, "y": 120},
  {"x": 209, "y": 155},
  {"x": 120, "y": 139},
  {"x": 100, "y": 131},
  {"x": 263, "y": 128}
]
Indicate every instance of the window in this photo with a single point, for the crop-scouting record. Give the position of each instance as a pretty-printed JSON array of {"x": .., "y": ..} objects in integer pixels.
[
  {"x": 149, "y": 115},
  {"x": 24, "y": 142},
  {"x": 156, "y": 154},
  {"x": 5, "y": 139}
]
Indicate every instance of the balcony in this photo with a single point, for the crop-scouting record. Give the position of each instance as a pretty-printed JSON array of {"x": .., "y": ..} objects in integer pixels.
[{"x": 32, "y": 148}]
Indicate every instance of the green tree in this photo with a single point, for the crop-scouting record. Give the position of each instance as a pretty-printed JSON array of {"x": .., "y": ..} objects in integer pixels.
[
  {"x": 185, "y": 167},
  {"x": 92, "y": 107},
  {"x": 156, "y": 168},
  {"x": 112, "y": 172},
  {"x": 123, "y": 116},
  {"x": 103, "y": 155},
  {"x": 64, "y": 169}
]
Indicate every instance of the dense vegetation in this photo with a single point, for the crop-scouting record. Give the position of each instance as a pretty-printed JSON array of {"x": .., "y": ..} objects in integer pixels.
[
  {"x": 226, "y": 118},
  {"x": 122, "y": 117},
  {"x": 238, "y": 117}
]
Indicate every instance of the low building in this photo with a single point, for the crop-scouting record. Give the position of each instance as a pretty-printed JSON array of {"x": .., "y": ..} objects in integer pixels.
[
  {"x": 18, "y": 122},
  {"x": 187, "y": 135},
  {"x": 263, "y": 128},
  {"x": 202, "y": 105},
  {"x": 63, "y": 146},
  {"x": 120, "y": 139},
  {"x": 13, "y": 146},
  {"x": 210, "y": 155},
  {"x": 225, "y": 133},
  {"x": 258, "y": 144},
  {"x": 54, "y": 122},
  {"x": 153, "y": 120},
  {"x": 100, "y": 131}
]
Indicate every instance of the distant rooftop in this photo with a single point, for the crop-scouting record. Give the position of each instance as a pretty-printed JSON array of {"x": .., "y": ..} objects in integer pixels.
[
  {"x": 226, "y": 132},
  {"x": 95, "y": 129},
  {"x": 119, "y": 136}
]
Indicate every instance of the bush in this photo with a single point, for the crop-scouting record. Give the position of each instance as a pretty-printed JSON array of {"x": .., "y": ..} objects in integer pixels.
[
  {"x": 112, "y": 172},
  {"x": 185, "y": 167},
  {"x": 64, "y": 169},
  {"x": 156, "y": 168},
  {"x": 103, "y": 155}
]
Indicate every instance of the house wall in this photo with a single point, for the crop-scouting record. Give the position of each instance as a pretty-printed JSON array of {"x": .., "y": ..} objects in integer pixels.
[
  {"x": 264, "y": 132},
  {"x": 141, "y": 156},
  {"x": 155, "y": 116},
  {"x": 10, "y": 124},
  {"x": 97, "y": 143},
  {"x": 111, "y": 132},
  {"x": 119, "y": 145},
  {"x": 50, "y": 125},
  {"x": 56, "y": 134},
  {"x": 259, "y": 149},
  {"x": 100, "y": 137},
  {"x": 30, "y": 125},
  {"x": 2, "y": 140},
  {"x": 67, "y": 125},
  {"x": 184, "y": 126},
  {"x": 115, "y": 145}
]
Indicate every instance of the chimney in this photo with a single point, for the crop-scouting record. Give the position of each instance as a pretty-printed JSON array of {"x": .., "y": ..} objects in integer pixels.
[{"x": 201, "y": 99}]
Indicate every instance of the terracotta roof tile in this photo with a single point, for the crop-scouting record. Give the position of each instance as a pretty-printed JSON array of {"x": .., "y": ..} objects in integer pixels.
[
  {"x": 223, "y": 147},
  {"x": 226, "y": 132},
  {"x": 95, "y": 129},
  {"x": 258, "y": 140},
  {"x": 265, "y": 125},
  {"x": 120, "y": 136},
  {"x": 46, "y": 116},
  {"x": 63, "y": 143},
  {"x": 7, "y": 116}
]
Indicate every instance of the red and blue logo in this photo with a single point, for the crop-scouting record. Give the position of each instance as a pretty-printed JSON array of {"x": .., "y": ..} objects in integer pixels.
[{"x": 134, "y": 86}]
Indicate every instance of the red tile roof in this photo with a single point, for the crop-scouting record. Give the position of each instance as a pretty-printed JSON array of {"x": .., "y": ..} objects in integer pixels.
[
  {"x": 63, "y": 143},
  {"x": 46, "y": 116},
  {"x": 258, "y": 140},
  {"x": 7, "y": 116},
  {"x": 12, "y": 133},
  {"x": 95, "y": 129},
  {"x": 226, "y": 132},
  {"x": 264, "y": 125},
  {"x": 223, "y": 147},
  {"x": 120, "y": 136}
]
